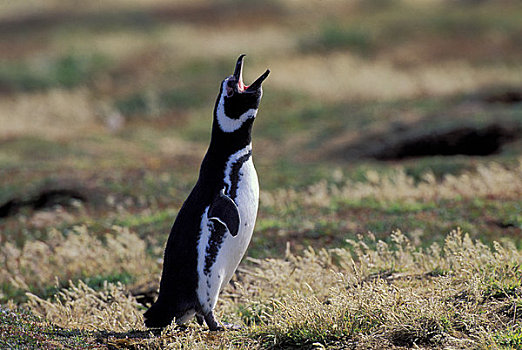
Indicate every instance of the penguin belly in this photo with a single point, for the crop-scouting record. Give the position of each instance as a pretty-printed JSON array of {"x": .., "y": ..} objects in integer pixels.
[{"x": 219, "y": 258}]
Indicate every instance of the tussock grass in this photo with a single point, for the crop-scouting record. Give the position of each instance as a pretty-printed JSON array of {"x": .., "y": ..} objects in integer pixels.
[
  {"x": 393, "y": 295},
  {"x": 78, "y": 254},
  {"x": 462, "y": 294},
  {"x": 491, "y": 179},
  {"x": 81, "y": 307}
]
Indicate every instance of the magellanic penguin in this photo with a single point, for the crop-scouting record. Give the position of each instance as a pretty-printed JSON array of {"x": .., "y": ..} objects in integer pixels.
[{"x": 213, "y": 228}]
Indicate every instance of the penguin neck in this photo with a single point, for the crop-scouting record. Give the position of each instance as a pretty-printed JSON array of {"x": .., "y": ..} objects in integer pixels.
[
  {"x": 228, "y": 143},
  {"x": 222, "y": 146},
  {"x": 226, "y": 138}
]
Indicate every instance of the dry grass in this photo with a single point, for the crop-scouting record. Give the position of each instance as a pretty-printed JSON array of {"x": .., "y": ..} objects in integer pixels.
[
  {"x": 342, "y": 76},
  {"x": 51, "y": 114},
  {"x": 463, "y": 294},
  {"x": 457, "y": 295},
  {"x": 219, "y": 43},
  {"x": 379, "y": 295},
  {"x": 491, "y": 180},
  {"x": 78, "y": 254},
  {"x": 81, "y": 307}
]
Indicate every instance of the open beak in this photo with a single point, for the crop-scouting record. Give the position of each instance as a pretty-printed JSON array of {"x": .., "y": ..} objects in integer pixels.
[
  {"x": 238, "y": 74},
  {"x": 257, "y": 84}
]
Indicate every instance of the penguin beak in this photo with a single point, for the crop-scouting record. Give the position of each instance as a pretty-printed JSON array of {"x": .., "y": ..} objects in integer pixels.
[
  {"x": 238, "y": 72},
  {"x": 238, "y": 75},
  {"x": 256, "y": 85}
]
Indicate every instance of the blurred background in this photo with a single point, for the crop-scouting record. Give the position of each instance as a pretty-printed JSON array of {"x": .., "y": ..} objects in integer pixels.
[{"x": 106, "y": 107}]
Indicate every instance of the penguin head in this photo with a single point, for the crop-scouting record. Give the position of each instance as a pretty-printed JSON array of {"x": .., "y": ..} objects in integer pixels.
[{"x": 237, "y": 103}]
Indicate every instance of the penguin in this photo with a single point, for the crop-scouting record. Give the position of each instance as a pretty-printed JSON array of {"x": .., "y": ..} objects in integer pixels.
[{"x": 215, "y": 223}]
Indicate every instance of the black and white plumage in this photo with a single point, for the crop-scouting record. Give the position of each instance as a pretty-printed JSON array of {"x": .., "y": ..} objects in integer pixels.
[{"x": 213, "y": 228}]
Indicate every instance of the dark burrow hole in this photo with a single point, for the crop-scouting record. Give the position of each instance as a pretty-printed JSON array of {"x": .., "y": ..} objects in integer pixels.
[
  {"x": 42, "y": 200},
  {"x": 467, "y": 140},
  {"x": 506, "y": 97}
]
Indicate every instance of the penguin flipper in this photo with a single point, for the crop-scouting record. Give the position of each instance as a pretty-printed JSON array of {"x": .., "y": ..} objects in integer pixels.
[{"x": 224, "y": 210}]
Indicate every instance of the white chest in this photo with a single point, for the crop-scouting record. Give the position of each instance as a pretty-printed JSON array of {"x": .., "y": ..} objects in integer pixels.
[
  {"x": 241, "y": 185},
  {"x": 247, "y": 200}
]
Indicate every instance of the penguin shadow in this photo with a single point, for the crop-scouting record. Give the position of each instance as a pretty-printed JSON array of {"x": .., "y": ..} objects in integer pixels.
[
  {"x": 125, "y": 340},
  {"x": 131, "y": 339},
  {"x": 223, "y": 327}
]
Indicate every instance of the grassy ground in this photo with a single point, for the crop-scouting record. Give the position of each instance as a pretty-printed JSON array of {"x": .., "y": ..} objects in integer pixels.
[{"x": 387, "y": 145}]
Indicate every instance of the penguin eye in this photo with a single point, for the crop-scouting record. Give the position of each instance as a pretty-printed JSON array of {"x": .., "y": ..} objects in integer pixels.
[
  {"x": 231, "y": 84},
  {"x": 230, "y": 87}
]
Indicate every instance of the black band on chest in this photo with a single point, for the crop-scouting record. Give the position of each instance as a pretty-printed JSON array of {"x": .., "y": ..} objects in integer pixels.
[
  {"x": 215, "y": 240},
  {"x": 234, "y": 174}
]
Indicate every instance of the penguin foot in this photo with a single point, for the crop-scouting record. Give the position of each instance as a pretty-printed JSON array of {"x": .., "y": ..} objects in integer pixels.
[{"x": 211, "y": 322}]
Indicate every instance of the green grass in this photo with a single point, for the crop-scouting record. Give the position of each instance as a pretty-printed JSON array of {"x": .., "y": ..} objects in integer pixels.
[
  {"x": 30, "y": 148},
  {"x": 19, "y": 329},
  {"x": 507, "y": 284},
  {"x": 336, "y": 37},
  {"x": 67, "y": 71},
  {"x": 96, "y": 282},
  {"x": 152, "y": 104},
  {"x": 509, "y": 339}
]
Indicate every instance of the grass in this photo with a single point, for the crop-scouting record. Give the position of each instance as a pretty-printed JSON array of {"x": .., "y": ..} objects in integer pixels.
[
  {"x": 67, "y": 71},
  {"x": 348, "y": 251},
  {"x": 334, "y": 37},
  {"x": 154, "y": 104},
  {"x": 61, "y": 257},
  {"x": 395, "y": 294},
  {"x": 510, "y": 338},
  {"x": 20, "y": 329}
]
